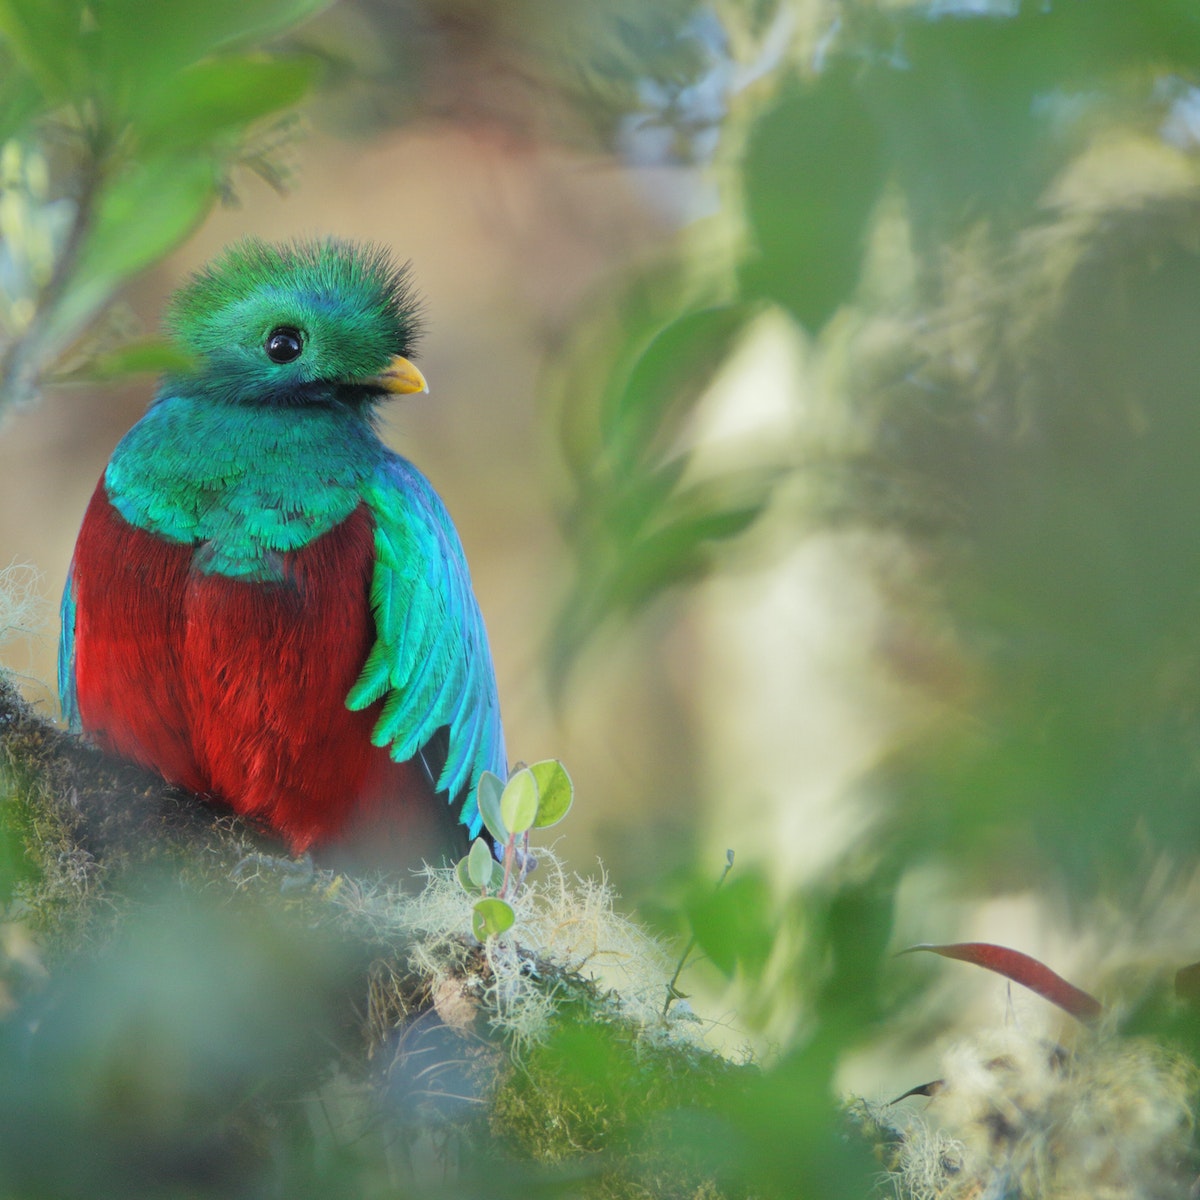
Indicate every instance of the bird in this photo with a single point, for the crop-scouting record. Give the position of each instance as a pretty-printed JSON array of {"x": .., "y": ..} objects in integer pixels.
[{"x": 266, "y": 604}]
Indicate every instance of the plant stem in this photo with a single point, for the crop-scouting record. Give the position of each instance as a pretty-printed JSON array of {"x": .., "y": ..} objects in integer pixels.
[{"x": 672, "y": 994}]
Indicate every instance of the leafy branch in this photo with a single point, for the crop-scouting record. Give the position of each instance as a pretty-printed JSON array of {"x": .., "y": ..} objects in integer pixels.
[{"x": 115, "y": 139}]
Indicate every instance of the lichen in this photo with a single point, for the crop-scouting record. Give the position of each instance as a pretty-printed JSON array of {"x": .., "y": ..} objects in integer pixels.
[{"x": 1110, "y": 1119}]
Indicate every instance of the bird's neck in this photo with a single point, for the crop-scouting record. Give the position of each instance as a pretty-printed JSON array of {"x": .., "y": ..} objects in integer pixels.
[{"x": 244, "y": 485}]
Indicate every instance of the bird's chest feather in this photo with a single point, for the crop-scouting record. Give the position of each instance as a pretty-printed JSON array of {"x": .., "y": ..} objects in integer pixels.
[
  {"x": 229, "y": 685},
  {"x": 241, "y": 487}
]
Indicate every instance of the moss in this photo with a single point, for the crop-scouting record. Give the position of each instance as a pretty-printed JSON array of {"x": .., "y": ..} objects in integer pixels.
[
  {"x": 1114, "y": 1117},
  {"x": 608, "y": 1093}
]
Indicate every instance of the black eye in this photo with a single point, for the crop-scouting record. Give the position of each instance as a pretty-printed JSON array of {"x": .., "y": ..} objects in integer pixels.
[{"x": 284, "y": 344}]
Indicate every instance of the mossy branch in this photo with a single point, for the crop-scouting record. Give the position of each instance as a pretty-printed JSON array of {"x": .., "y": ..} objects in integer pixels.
[{"x": 390, "y": 1014}]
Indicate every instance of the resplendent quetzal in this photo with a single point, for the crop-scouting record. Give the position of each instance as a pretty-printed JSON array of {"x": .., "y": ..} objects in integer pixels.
[{"x": 266, "y": 604}]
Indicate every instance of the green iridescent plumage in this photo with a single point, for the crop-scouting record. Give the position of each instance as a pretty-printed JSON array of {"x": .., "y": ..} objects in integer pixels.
[
  {"x": 246, "y": 459},
  {"x": 181, "y": 473},
  {"x": 354, "y": 305}
]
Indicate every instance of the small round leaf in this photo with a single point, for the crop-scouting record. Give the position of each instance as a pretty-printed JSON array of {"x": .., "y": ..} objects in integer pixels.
[
  {"x": 479, "y": 863},
  {"x": 519, "y": 804},
  {"x": 555, "y": 792},
  {"x": 491, "y": 917}
]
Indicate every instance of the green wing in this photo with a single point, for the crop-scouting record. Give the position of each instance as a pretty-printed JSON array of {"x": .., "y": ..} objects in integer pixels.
[{"x": 430, "y": 663}]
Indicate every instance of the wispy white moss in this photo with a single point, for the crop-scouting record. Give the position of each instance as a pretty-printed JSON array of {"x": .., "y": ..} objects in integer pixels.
[
  {"x": 1015, "y": 1116},
  {"x": 22, "y": 606},
  {"x": 564, "y": 923}
]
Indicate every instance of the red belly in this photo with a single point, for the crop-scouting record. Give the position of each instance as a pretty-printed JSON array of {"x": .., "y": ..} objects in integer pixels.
[{"x": 237, "y": 689}]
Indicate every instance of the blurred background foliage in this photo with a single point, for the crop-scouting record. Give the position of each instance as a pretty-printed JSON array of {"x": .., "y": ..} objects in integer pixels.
[{"x": 817, "y": 396}]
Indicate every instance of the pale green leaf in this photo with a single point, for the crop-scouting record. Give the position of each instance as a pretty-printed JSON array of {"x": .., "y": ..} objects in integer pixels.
[
  {"x": 490, "y": 789},
  {"x": 555, "y": 792},
  {"x": 519, "y": 803},
  {"x": 479, "y": 863}
]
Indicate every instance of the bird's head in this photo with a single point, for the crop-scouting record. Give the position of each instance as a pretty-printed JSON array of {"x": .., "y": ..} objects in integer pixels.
[{"x": 308, "y": 322}]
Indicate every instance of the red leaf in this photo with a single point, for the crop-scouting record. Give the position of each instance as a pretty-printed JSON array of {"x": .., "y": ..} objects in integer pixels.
[{"x": 1022, "y": 969}]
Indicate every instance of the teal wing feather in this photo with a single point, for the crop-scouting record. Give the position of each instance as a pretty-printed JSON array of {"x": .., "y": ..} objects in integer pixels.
[
  {"x": 67, "y": 696},
  {"x": 430, "y": 663}
]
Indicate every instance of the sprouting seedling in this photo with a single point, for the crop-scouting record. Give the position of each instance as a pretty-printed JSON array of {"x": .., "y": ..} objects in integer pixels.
[
  {"x": 673, "y": 992},
  {"x": 534, "y": 797}
]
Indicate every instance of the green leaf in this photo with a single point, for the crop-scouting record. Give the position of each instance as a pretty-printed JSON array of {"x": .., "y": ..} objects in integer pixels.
[
  {"x": 19, "y": 98},
  {"x": 519, "y": 803},
  {"x": 144, "y": 47},
  {"x": 146, "y": 212},
  {"x": 814, "y": 171},
  {"x": 488, "y": 793},
  {"x": 479, "y": 863},
  {"x": 734, "y": 925},
  {"x": 221, "y": 98},
  {"x": 141, "y": 357},
  {"x": 555, "y": 792},
  {"x": 491, "y": 917},
  {"x": 462, "y": 873},
  {"x": 44, "y": 35},
  {"x": 670, "y": 376}
]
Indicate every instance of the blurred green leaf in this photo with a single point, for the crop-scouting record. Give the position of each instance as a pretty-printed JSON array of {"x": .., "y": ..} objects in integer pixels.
[
  {"x": 150, "y": 208},
  {"x": 144, "y": 47},
  {"x": 44, "y": 35},
  {"x": 851, "y": 929},
  {"x": 153, "y": 1061},
  {"x": 19, "y": 99},
  {"x": 146, "y": 356},
  {"x": 735, "y": 925},
  {"x": 789, "y": 1134},
  {"x": 678, "y": 547},
  {"x": 814, "y": 173},
  {"x": 678, "y": 365},
  {"x": 219, "y": 98}
]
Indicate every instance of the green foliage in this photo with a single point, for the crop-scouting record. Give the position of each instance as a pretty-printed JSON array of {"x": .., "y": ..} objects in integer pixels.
[
  {"x": 555, "y": 792},
  {"x": 127, "y": 116},
  {"x": 640, "y": 522},
  {"x": 732, "y": 925},
  {"x": 809, "y": 241},
  {"x": 627, "y": 1119},
  {"x": 491, "y": 918},
  {"x": 984, "y": 225},
  {"x": 533, "y": 798},
  {"x": 489, "y": 790}
]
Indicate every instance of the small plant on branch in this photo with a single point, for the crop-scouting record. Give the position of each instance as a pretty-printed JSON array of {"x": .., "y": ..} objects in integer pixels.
[{"x": 534, "y": 797}]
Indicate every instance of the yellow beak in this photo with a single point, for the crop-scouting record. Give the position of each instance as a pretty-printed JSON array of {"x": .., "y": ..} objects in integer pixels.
[{"x": 400, "y": 378}]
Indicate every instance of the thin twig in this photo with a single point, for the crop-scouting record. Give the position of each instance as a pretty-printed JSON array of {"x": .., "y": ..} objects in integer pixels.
[{"x": 672, "y": 992}]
